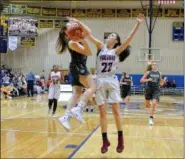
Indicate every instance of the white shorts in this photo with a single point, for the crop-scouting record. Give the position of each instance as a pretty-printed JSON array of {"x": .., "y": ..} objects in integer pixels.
[
  {"x": 108, "y": 90},
  {"x": 54, "y": 91}
]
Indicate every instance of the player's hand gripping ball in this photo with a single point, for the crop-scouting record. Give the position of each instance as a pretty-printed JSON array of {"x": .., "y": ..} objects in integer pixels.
[{"x": 74, "y": 32}]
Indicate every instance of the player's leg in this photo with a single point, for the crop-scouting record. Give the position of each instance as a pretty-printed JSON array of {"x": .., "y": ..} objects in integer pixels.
[
  {"x": 114, "y": 98},
  {"x": 101, "y": 102},
  {"x": 155, "y": 100},
  {"x": 65, "y": 120},
  {"x": 50, "y": 98},
  {"x": 88, "y": 82}
]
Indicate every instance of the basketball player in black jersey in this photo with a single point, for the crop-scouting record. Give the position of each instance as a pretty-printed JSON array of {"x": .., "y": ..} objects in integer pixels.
[
  {"x": 149, "y": 68},
  {"x": 126, "y": 82},
  {"x": 153, "y": 80},
  {"x": 79, "y": 50}
]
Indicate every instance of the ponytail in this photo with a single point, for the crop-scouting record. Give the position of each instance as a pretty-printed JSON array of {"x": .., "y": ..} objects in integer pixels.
[
  {"x": 62, "y": 41},
  {"x": 125, "y": 53}
]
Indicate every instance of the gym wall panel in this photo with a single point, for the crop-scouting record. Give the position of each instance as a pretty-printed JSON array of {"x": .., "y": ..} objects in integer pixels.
[{"x": 43, "y": 55}]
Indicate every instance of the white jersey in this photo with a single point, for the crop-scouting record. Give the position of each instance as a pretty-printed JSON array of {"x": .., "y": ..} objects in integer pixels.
[
  {"x": 107, "y": 62},
  {"x": 55, "y": 75},
  {"x": 107, "y": 84},
  {"x": 54, "y": 89}
]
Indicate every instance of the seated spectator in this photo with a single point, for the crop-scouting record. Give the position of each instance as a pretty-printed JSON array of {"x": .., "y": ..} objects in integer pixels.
[
  {"x": 22, "y": 84},
  {"x": 66, "y": 77},
  {"x": 9, "y": 91},
  {"x": 166, "y": 83},
  {"x": 5, "y": 91},
  {"x": 173, "y": 84},
  {"x": 6, "y": 80},
  {"x": 15, "y": 81},
  {"x": 13, "y": 91}
]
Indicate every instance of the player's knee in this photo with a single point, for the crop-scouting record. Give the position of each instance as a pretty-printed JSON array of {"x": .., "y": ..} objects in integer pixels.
[
  {"x": 103, "y": 112},
  {"x": 116, "y": 112},
  {"x": 93, "y": 88},
  {"x": 77, "y": 94}
]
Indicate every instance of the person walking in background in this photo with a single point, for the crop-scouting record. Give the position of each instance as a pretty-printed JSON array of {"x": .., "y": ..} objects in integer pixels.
[{"x": 30, "y": 77}]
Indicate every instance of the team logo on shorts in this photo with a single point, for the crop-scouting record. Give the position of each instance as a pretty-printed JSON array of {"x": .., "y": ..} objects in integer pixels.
[{"x": 82, "y": 71}]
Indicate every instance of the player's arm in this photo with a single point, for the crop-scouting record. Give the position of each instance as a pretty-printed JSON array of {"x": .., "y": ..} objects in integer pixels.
[
  {"x": 132, "y": 83},
  {"x": 96, "y": 42},
  {"x": 144, "y": 78},
  {"x": 83, "y": 48},
  {"x": 124, "y": 45},
  {"x": 87, "y": 34},
  {"x": 49, "y": 78},
  {"x": 62, "y": 78},
  {"x": 161, "y": 80},
  {"x": 121, "y": 80}
]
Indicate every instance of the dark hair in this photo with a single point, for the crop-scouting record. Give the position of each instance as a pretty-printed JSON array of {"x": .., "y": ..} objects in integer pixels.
[
  {"x": 125, "y": 53},
  {"x": 62, "y": 41},
  {"x": 118, "y": 39}
]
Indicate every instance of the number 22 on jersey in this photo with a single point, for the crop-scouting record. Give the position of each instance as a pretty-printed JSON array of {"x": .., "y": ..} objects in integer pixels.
[{"x": 106, "y": 67}]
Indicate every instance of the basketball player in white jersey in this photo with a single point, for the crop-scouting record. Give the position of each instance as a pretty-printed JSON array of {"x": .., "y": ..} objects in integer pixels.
[
  {"x": 54, "y": 89},
  {"x": 108, "y": 89}
]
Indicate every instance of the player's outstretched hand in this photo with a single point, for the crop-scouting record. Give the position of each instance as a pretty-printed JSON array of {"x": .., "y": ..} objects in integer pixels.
[{"x": 140, "y": 18}]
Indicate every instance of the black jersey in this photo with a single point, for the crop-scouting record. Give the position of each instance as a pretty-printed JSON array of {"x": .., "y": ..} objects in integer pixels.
[
  {"x": 127, "y": 80},
  {"x": 77, "y": 67},
  {"x": 77, "y": 58},
  {"x": 155, "y": 76}
]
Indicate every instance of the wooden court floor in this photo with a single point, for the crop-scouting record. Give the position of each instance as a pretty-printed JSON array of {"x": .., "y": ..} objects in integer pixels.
[{"x": 28, "y": 132}]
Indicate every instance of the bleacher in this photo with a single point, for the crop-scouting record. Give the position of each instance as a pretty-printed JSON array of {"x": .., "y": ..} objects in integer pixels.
[{"x": 138, "y": 88}]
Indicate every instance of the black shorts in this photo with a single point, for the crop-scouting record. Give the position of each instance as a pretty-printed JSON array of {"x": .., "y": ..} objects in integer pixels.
[
  {"x": 152, "y": 93},
  {"x": 125, "y": 91},
  {"x": 76, "y": 71}
]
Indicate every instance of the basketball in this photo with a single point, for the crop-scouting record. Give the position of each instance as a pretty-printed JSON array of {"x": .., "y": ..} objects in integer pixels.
[{"x": 74, "y": 32}]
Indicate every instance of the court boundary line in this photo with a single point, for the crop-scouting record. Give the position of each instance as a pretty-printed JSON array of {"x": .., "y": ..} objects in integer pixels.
[
  {"x": 13, "y": 117},
  {"x": 85, "y": 134},
  {"x": 83, "y": 142},
  {"x": 126, "y": 115}
]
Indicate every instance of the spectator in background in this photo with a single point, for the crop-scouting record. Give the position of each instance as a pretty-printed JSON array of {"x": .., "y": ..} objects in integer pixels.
[
  {"x": 6, "y": 80},
  {"x": 13, "y": 90},
  {"x": 30, "y": 77},
  {"x": 22, "y": 84},
  {"x": 43, "y": 80},
  {"x": 14, "y": 81},
  {"x": 6, "y": 92},
  {"x": 66, "y": 77},
  {"x": 167, "y": 84},
  {"x": 173, "y": 84}
]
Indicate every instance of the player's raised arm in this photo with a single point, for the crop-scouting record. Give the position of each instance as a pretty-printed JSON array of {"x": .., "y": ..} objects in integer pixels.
[{"x": 130, "y": 37}]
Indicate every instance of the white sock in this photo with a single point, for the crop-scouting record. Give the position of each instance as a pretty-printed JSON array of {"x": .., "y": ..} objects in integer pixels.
[
  {"x": 81, "y": 104},
  {"x": 68, "y": 113}
]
